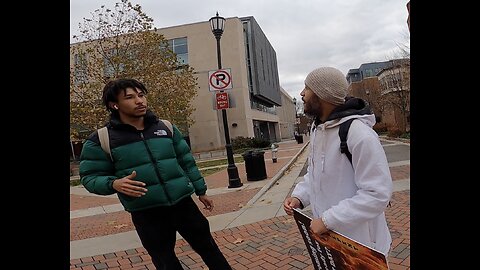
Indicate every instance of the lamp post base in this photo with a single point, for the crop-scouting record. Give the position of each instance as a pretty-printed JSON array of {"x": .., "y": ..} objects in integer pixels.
[{"x": 233, "y": 179}]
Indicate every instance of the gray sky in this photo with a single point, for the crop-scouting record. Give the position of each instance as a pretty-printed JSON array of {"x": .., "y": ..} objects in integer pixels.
[{"x": 305, "y": 34}]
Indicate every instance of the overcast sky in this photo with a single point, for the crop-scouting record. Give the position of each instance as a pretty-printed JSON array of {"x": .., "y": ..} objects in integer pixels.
[{"x": 305, "y": 34}]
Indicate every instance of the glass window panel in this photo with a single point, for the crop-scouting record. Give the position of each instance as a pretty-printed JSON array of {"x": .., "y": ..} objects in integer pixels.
[
  {"x": 180, "y": 41},
  {"x": 180, "y": 49},
  {"x": 182, "y": 58}
]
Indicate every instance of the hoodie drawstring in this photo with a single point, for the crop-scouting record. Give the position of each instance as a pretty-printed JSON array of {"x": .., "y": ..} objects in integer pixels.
[
  {"x": 323, "y": 147},
  {"x": 323, "y": 162}
]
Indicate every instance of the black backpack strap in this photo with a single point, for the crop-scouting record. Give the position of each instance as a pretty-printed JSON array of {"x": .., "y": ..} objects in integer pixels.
[{"x": 343, "y": 132}]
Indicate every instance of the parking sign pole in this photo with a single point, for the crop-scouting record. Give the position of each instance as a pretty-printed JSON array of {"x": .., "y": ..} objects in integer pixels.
[{"x": 234, "y": 181}]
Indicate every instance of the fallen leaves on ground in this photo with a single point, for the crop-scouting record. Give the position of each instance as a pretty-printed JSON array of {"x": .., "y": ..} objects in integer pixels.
[{"x": 238, "y": 241}]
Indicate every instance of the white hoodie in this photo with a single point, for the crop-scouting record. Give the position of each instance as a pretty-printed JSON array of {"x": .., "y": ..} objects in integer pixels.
[{"x": 352, "y": 200}]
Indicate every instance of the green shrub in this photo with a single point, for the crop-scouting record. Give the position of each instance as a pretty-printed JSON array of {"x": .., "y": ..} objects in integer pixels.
[
  {"x": 75, "y": 182},
  {"x": 405, "y": 135},
  {"x": 240, "y": 143},
  {"x": 260, "y": 143}
]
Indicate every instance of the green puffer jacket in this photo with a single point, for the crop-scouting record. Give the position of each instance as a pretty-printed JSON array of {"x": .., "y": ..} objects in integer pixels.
[{"x": 162, "y": 160}]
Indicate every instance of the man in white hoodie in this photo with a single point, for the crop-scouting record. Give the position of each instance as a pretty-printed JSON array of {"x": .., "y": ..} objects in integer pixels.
[{"x": 347, "y": 197}]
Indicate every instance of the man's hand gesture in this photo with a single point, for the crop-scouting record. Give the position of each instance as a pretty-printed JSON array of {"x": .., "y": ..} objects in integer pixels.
[{"x": 128, "y": 186}]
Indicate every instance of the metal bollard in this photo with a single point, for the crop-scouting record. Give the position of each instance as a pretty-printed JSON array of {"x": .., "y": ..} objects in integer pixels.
[{"x": 274, "y": 153}]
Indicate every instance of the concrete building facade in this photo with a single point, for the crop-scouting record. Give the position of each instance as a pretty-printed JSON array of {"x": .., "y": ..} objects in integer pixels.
[{"x": 286, "y": 116}]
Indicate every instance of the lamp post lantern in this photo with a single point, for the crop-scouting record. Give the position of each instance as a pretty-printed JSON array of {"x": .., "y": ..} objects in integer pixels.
[{"x": 217, "y": 24}]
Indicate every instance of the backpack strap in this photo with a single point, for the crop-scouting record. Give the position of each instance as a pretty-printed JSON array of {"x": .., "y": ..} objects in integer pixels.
[
  {"x": 169, "y": 125},
  {"x": 343, "y": 132},
  {"x": 104, "y": 141}
]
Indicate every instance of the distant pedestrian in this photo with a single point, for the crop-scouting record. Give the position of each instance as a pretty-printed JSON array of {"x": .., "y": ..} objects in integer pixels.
[
  {"x": 154, "y": 175},
  {"x": 347, "y": 197}
]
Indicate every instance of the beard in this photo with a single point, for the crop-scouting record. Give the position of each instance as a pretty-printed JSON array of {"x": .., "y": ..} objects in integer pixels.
[{"x": 313, "y": 107}]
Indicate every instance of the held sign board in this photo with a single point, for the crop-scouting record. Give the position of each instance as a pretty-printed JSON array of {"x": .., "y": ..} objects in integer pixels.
[
  {"x": 334, "y": 251},
  {"x": 222, "y": 100},
  {"x": 219, "y": 80}
]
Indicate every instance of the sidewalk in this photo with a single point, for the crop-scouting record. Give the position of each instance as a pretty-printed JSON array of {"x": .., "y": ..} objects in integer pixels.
[{"x": 250, "y": 225}]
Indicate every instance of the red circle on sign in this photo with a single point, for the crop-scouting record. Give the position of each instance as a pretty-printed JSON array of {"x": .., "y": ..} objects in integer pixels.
[
  {"x": 222, "y": 100},
  {"x": 214, "y": 76}
]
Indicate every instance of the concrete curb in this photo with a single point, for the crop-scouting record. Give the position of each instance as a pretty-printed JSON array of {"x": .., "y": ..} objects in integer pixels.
[
  {"x": 398, "y": 140},
  {"x": 275, "y": 178}
]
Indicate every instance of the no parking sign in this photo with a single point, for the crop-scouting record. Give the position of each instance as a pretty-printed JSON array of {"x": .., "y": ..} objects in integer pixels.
[{"x": 219, "y": 80}]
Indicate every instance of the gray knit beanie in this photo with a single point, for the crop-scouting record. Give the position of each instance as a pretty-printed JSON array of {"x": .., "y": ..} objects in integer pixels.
[{"x": 328, "y": 84}]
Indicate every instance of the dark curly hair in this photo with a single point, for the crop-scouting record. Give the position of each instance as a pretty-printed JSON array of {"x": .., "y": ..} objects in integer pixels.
[{"x": 113, "y": 88}]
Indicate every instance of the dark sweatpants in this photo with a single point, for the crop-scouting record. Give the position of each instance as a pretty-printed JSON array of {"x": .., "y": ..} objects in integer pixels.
[{"x": 157, "y": 229}]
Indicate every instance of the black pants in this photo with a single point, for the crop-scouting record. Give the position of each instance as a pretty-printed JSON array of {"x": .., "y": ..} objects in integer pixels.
[{"x": 157, "y": 229}]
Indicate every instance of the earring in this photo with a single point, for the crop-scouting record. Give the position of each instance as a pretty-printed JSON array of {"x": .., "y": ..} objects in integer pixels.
[{"x": 115, "y": 106}]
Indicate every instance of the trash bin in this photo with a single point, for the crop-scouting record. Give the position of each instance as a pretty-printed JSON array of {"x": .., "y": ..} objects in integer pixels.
[
  {"x": 255, "y": 165},
  {"x": 299, "y": 138}
]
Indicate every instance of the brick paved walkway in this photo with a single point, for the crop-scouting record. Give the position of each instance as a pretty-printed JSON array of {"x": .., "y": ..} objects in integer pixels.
[
  {"x": 118, "y": 222},
  {"x": 270, "y": 244}
]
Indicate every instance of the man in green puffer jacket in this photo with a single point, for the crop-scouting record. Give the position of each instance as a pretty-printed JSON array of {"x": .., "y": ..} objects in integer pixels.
[{"x": 154, "y": 175}]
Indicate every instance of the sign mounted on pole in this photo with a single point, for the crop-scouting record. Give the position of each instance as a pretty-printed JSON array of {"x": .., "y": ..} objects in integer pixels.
[
  {"x": 222, "y": 100},
  {"x": 219, "y": 80}
]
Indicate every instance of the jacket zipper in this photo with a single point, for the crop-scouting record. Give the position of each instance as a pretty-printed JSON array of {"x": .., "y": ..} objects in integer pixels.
[{"x": 156, "y": 168}]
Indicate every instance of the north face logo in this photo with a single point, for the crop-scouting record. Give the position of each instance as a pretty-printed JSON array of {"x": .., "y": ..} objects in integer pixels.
[{"x": 160, "y": 132}]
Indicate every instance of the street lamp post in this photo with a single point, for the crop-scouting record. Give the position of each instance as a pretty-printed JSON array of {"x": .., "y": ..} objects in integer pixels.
[{"x": 217, "y": 24}]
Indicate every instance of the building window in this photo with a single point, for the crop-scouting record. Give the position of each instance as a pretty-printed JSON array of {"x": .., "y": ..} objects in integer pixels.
[
  {"x": 369, "y": 73},
  {"x": 255, "y": 105},
  {"x": 247, "y": 54},
  {"x": 180, "y": 47}
]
